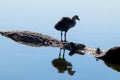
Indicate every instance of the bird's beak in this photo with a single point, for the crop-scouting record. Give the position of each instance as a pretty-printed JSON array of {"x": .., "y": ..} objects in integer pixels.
[{"x": 78, "y": 19}]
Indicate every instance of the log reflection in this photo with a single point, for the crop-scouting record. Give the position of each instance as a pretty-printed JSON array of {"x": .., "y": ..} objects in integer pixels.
[{"x": 111, "y": 57}]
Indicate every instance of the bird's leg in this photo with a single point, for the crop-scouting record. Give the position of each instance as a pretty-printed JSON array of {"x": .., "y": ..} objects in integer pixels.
[
  {"x": 63, "y": 53},
  {"x": 65, "y": 35},
  {"x": 60, "y": 53},
  {"x": 61, "y": 36}
]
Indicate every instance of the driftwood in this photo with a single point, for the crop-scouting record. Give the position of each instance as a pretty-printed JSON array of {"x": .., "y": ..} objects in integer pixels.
[
  {"x": 111, "y": 57},
  {"x": 40, "y": 40}
]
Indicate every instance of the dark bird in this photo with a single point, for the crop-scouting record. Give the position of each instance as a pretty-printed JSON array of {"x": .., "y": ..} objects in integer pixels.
[{"x": 65, "y": 24}]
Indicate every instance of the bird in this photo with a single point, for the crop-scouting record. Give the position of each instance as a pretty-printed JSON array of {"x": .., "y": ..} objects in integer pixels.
[{"x": 65, "y": 24}]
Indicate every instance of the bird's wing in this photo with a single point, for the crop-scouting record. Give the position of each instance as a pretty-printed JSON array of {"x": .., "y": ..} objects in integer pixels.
[{"x": 64, "y": 22}]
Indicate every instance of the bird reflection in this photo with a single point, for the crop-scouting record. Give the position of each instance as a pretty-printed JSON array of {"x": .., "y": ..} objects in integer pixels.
[
  {"x": 62, "y": 65},
  {"x": 62, "y": 54}
]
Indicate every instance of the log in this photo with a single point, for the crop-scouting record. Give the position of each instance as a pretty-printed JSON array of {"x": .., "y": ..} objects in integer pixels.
[
  {"x": 111, "y": 57},
  {"x": 35, "y": 39}
]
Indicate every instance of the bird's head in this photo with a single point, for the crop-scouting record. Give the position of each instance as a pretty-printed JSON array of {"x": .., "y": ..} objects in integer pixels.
[{"x": 75, "y": 17}]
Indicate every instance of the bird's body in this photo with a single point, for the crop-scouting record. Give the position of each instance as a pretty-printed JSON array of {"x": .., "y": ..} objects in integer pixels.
[{"x": 65, "y": 24}]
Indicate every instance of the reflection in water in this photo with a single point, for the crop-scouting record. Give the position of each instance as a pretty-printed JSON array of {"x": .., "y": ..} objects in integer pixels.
[
  {"x": 113, "y": 66},
  {"x": 110, "y": 57},
  {"x": 62, "y": 65},
  {"x": 63, "y": 52}
]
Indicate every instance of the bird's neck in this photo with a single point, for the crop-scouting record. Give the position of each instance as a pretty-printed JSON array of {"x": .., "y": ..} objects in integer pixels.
[{"x": 74, "y": 19}]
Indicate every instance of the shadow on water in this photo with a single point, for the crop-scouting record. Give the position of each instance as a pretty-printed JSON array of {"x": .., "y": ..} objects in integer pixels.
[
  {"x": 110, "y": 57},
  {"x": 62, "y": 65},
  {"x": 111, "y": 60}
]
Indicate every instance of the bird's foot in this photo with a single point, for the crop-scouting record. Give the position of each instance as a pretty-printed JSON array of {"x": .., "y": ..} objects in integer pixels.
[
  {"x": 65, "y": 40},
  {"x": 62, "y": 41}
]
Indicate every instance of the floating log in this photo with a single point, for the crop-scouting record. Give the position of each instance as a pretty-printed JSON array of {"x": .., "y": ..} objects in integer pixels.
[
  {"x": 41, "y": 40},
  {"x": 31, "y": 38},
  {"x": 111, "y": 57}
]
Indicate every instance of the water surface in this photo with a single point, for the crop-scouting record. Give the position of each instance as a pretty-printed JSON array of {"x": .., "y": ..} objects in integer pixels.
[{"x": 99, "y": 27}]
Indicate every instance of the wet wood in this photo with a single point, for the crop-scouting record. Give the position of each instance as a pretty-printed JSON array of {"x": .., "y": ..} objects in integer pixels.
[
  {"x": 41, "y": 40},
  {"x": 32, "y": 38},
  {"x": 111, "y": 57}
]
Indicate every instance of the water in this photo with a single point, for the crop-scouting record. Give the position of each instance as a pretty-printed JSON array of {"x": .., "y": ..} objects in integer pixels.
[{"x": 99, "y": 27}]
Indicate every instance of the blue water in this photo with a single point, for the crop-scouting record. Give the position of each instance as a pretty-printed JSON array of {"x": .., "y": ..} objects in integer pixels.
[{"x": 99, "y": 27}]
